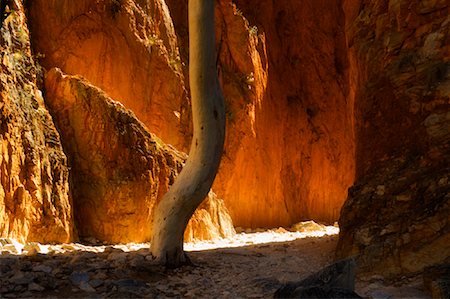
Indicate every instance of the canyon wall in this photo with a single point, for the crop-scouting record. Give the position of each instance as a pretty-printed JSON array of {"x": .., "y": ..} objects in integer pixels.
[
  {"x": 35, "y": 200},
  {"x": 318, "y": 93},
  {"x": 127, "y": 48},
  {"x": 289, "y": 145},
  {"x": 397, "y": 217},
  {"x": 119, "y": 170}
]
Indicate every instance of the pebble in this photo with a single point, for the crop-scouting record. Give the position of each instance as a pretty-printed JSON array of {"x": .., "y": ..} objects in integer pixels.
[
  {"x": 102, "y": 271},
  {"x": 78, "y": 278},
  {"x": 85, "y": 286},
  {"x": 95, "y": 283},
  {"x": 35, "y": 287},
  {"x": 42, "y": 268}
]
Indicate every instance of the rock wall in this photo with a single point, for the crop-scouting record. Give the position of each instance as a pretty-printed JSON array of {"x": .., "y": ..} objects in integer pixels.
[
  {"x": 397, "y": 215},
  {"x": 127, "y": 48},
  {"x": 289, "y": 153},
  {"x": 35, "y": 201},
  {"x": 119, "y": 170},
  {"x": 290, "y": 148}
]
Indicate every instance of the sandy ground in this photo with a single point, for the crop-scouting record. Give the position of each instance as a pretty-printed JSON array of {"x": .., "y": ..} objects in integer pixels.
[{"x": 251, "y": 265}]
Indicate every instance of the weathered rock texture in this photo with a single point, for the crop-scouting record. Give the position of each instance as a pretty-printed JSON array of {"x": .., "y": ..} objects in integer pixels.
[
  {"x": 283, "y": 67},
  {"x": 289, "y": 152},
  {"x": 437, "y": 280},
  {"x": 316, "y": 92},
  {"x": 397, "y": 217},
  {"x": 119, "y": 170},
  {"x": 127, "y": 48},
  {"x": 35, "y": 202}
]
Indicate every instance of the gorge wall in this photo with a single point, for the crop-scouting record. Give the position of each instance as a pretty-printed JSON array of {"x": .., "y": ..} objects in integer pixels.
[
  {"x": 118, "y": 170},
  {"x": 397, "y": 217},
  {"x": 289, "y": 146},
  {"x": 35, "y": 199},
  {"x": 318, "y": 94}
]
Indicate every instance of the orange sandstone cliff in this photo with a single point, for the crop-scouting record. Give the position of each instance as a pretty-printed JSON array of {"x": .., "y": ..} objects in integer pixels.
[
  {"x": 117, "y": 169},
  {"x": 289, "y": 146},
  {"x": 35, "y": 199},
  {"x": 320, "y": 95}
]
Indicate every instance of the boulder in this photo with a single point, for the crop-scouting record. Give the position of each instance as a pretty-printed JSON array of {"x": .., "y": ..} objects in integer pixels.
[{"x": 334, "y": 281}]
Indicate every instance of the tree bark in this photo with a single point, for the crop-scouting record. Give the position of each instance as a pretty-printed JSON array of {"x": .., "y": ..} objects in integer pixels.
[{"x": 194, "y": 182}]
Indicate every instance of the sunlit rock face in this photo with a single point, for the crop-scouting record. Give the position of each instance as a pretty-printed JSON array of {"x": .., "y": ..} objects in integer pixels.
[
  {"x": 290, "y": 147},
  {"x": 289, "y": 152},
  {"x": 35, "y": 201},
  {"x": 128, "y": 48},
  {"x": 283, "y": 67},
  {"x": 397, "y": 214},
  {"x": 119, "y": 170}
]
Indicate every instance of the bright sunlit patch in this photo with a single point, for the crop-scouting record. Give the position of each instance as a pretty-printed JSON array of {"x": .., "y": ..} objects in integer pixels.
[
  {"x": 11, "y": 246},
  {"x": 270, "y": 236}
]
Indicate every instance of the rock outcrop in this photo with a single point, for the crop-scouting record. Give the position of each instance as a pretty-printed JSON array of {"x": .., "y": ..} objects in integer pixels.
[
  {"x": 128, "y": 48},
  {"x": 397, "y": 215},
  {"x": 289, "y": 153},
  {"x": 119, "y": 170},
  {"x": 35, "y": 200}
]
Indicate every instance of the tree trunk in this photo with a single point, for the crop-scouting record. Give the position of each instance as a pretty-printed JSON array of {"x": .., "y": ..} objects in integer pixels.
[{"x": 194, "y": 182}]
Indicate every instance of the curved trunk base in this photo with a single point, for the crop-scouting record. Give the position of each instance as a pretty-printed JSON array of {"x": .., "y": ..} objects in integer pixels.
[{"x": 172, "y": 259}]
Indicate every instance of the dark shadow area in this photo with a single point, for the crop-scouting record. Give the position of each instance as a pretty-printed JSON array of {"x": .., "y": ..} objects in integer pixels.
[{"x": 250, "y": 271}]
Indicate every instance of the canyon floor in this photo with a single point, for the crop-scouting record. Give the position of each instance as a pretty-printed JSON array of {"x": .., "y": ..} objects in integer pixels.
[{"x": 250, "y": 265}]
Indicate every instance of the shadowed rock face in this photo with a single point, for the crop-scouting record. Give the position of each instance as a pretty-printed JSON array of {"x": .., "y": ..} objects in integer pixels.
[
  {"x": 119, "y": 169},
  {"x": 35, "y": 202},
  {"x": 437, "y": 280},
  {"x": 334, "y": 281},
  {"x": 397, "y": 214}
]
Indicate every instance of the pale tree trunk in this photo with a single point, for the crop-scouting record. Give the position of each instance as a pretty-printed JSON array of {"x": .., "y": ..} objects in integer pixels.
[{"x": 193, "y": 183}]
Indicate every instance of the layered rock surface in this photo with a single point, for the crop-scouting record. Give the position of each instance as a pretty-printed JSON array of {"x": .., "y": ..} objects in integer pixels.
[
  {"x": 290, "y": 142},
  {"x": 35, "y": 201},
  {"x": 289, "y": 147},
  {"x": 315, "y": 92},
  {"x": 119, "y": 170},
  {"x": 127, "y": 48},
  {"x": 397, "y": 214}
]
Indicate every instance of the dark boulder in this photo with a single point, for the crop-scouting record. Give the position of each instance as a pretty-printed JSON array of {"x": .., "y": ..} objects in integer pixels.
[{"x": 334, "y": 281}]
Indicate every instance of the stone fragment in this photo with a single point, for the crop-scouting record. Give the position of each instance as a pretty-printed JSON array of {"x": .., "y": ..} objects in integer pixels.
[
  {"x": 42, "y": 268},
  {"x": 22, "y": 278},
  {"x": 307, "y": 226},
  {"x": 77, "y": 278},
  {"x": 86, "y": 286},
  {"x": 35, "y": 287}
]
